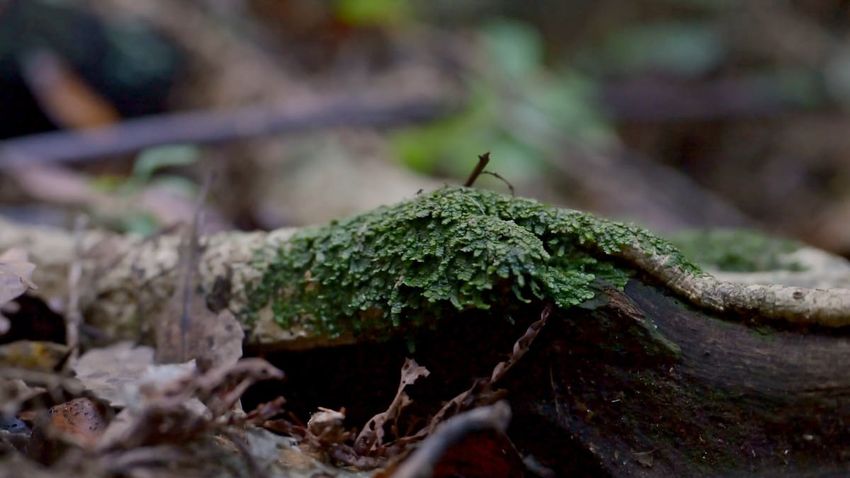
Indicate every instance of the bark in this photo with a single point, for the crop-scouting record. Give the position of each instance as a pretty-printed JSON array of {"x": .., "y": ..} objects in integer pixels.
[{"x": 733, "y": 401}]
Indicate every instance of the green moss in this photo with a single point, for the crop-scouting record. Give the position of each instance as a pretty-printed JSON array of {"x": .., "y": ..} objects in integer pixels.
[
  {"x": 737, "y": 250},
  {"x": 452, "y": 249}
]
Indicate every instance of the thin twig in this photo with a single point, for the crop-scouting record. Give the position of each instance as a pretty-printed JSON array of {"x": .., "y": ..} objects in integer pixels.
[
  {"x": 483, "y": 159},
  {"x": 500, "y": 177},
  {"x": 73, "y": 316},
  {"x": 192, "y": 254}
]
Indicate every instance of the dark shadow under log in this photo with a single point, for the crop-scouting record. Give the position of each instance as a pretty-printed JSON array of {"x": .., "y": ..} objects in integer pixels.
[
  {"x": 737, "y": 400},
  {"x": 638, "y": 384}
]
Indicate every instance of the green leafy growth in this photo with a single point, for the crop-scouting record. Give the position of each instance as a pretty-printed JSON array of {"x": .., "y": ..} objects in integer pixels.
[
  {"x": 452, "y": 249},
  {"x": 738, "y": 250}
]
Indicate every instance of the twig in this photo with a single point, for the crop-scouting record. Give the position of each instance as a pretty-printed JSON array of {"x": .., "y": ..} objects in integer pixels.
[
  {"x": 192, "y": 253},
  {"x": 204, "y": 127},
  {"x": 483, "y": 159},
  {"x": 501, "y": 178},
  {"x": 254, "y": 469},
  {"x": 73, "y": 316},
  {"x": 480, "y": 387}
]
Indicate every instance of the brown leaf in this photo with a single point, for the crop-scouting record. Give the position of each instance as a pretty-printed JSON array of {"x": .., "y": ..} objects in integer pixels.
[
  {"x": 80, "y": 421},
  {"x": 372, "y": 435},
  {"x": 327, "y": 426},
  {"x": 188, "y": 328},
  {"x": 213, "y": 339}
]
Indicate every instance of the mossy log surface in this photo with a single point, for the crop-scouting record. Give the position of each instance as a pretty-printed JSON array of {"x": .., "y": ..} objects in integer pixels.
[{"x": 649, "y": 367}]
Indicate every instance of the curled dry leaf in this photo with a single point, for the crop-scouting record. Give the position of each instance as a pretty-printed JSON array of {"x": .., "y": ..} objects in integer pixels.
[
  {"x": 327, "y": 426},
  {"x": 372, "y": 435}
]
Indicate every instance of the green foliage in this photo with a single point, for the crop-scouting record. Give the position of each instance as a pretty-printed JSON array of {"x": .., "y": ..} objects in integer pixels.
[
  {"x": 682, "y": 48},
  {"x": 737, "y": 250},
  {"x": 372, "y": 12},
  {"x": 147, "y": 172},
  {"x": 453, "y": 249},
  {"x": 515, "y": 106}
]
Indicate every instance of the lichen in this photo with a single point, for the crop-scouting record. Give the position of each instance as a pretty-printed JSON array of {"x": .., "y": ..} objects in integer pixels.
[
  {"x": 452, "y": 249},
  {"x": 738, "y": 250}
]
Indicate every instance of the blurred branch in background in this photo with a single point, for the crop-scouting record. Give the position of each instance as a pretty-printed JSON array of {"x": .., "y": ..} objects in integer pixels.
[{"x": 206, "y": 127}]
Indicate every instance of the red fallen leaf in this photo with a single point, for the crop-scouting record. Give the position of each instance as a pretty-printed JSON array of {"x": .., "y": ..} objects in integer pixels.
[
  {"x": 78, "y": 422},
  {"x": 481, "y": 454},
  {"x": 81, "y": 421}
]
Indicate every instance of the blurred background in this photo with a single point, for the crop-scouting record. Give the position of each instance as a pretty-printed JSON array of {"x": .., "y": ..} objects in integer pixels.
[{"x": 674, "y": 114}]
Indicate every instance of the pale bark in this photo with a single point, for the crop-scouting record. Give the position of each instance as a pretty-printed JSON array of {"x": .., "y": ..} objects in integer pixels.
[{"x": 127, "y": 280}]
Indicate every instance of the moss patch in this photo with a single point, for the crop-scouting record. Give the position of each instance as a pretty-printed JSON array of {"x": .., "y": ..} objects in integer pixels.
[
  {"x": 452, "y": 249},
  {"x": 738, "y": 250}
]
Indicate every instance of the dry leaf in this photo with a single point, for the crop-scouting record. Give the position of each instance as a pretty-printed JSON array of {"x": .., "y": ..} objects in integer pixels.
[
  {"x": 214, "y": 339},
  {"x": 372, "y": 435},
  {"x": 13, "y": 392},
  {"x": 80, "y": 421},
  {"x": 30, "y": 355},
  {"x": 188, "y": 328},
  {"x": 125, "y": 375},
  {"x": 328, "y": 426},
  {"x": 15, "y": 274}
]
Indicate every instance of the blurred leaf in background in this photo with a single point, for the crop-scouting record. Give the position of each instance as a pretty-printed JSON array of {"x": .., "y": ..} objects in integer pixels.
[
  {"x": 372, "y": 12},
  {"x": 675, "y": 47},
  {"x": 515, "y": 107}
]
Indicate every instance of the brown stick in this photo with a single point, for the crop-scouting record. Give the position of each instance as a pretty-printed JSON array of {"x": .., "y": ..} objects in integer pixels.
[{"x": 483, "y": 159}]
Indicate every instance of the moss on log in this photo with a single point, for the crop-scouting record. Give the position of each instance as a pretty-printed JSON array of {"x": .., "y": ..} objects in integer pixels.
[
  {"x": 394, "y": 269},
  {"x": 449, "y": 250}
]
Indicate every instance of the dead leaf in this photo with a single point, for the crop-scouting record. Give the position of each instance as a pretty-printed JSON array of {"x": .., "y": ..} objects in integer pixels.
[
  {"x": 15, "y": 274},
  {"x": 13, "y": 392},
  {"x": 125, "y": 375},
  {"x": 113, "y": 373},
  {"x": 31, "y": 355},
  {"x": 372, "y": 435},
  {"x": 327, "y": 426},
  {"x": 80, "y": 422},
  {"x": 187, "y": 328},
  {"x": 164, "y": 416},
  {"x": 214, "y": 339}
]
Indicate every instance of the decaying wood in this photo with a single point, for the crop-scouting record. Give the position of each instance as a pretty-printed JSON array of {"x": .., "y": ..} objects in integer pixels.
[
  {"x": 732, "y": 401},
  {"x": 129, "y": 278}
]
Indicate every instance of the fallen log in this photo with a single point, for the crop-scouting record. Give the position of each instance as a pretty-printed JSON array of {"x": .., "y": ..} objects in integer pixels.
[{"x": 648, "y": 367}]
